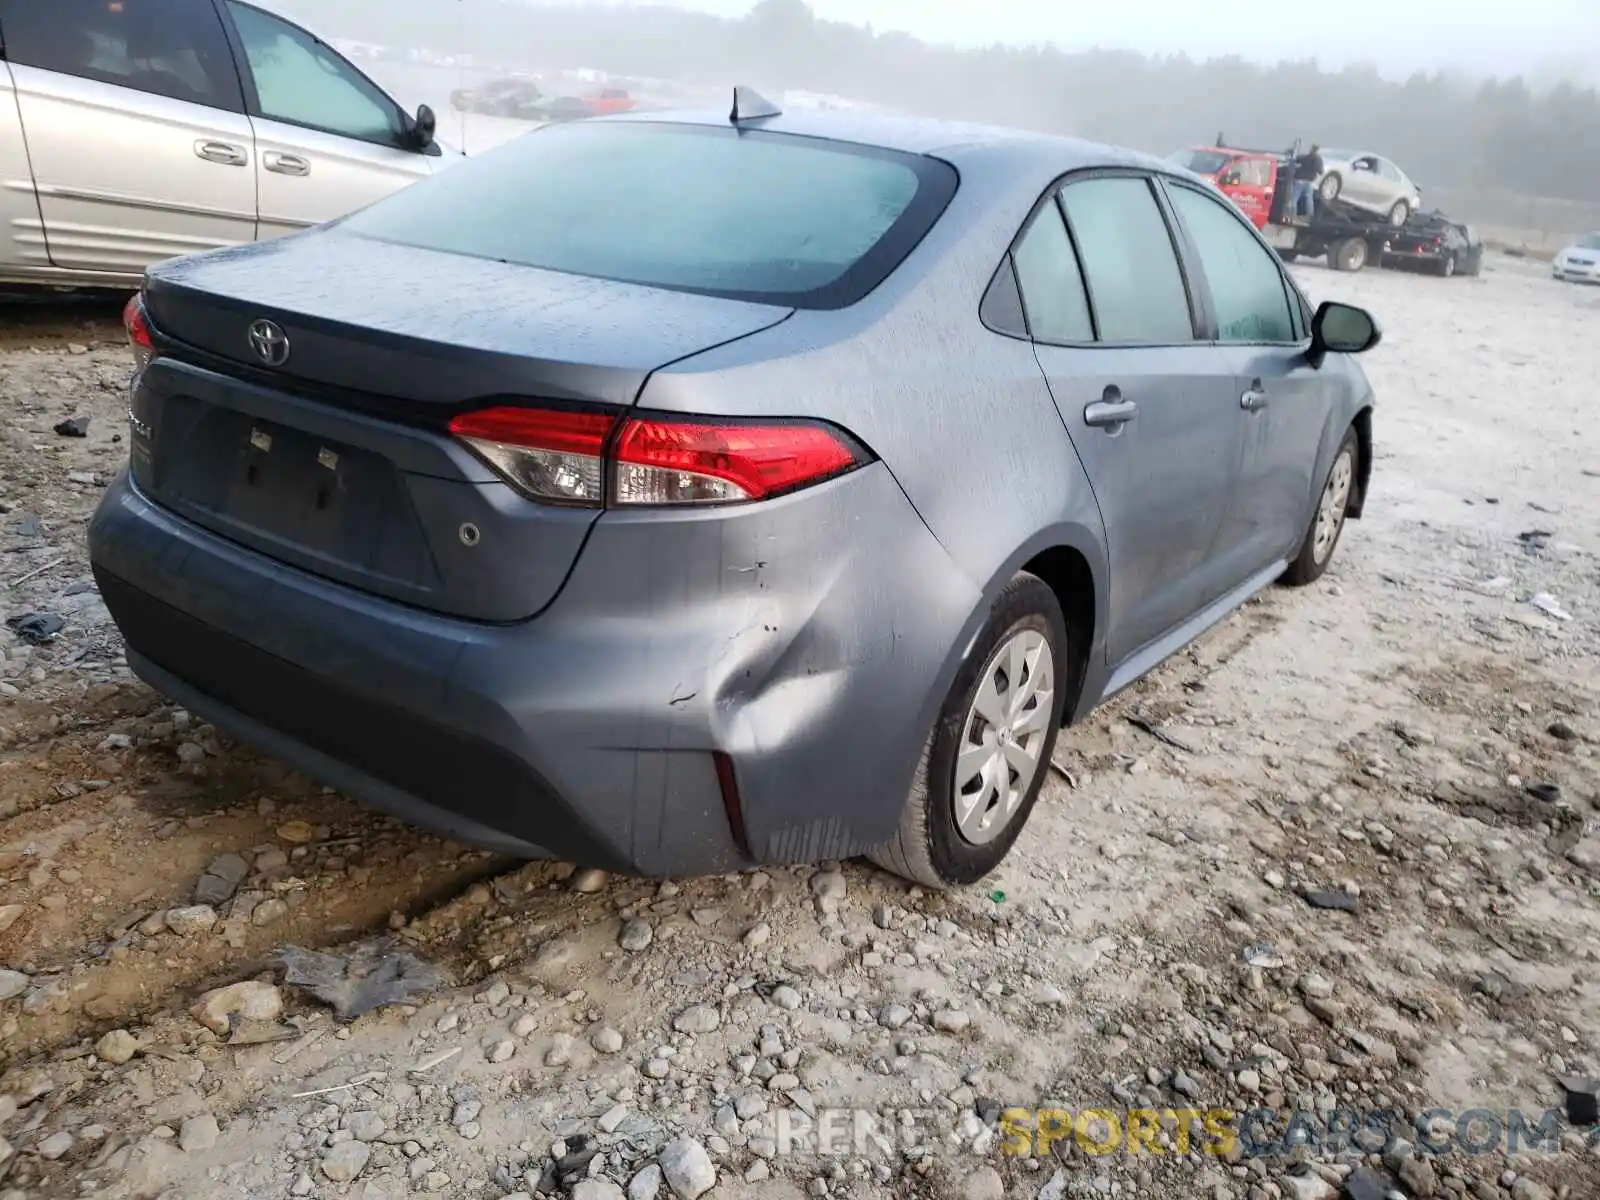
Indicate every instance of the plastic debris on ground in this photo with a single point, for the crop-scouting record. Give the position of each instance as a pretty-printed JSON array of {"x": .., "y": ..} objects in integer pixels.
[{"x": 363, "y": 978}]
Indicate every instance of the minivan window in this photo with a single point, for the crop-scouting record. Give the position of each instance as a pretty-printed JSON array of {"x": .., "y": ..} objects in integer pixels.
[
  {"x": 171, "y": 48},
  {"x": 746, "y": 214},
  {"x": 1052, "y": 288},
  {"x": 1135, "y": 283},
  {"x": 1246, "y": 284},
  {"x": 300, "y": 80}
]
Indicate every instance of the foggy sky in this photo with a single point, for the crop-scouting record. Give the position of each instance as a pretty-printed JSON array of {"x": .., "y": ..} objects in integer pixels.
[{"x": 1397, "y": 36}]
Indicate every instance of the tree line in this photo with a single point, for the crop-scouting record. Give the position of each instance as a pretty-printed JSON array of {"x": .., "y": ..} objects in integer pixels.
[{"x": 1443, "y": 130}]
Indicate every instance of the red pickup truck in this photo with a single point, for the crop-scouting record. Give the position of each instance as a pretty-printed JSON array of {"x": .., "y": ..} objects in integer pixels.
[{"x": 1247, "y": 177}]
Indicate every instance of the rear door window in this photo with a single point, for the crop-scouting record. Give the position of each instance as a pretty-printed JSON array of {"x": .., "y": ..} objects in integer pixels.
[
  {"x": 745, "y": 214},
  {"x": 1051, "y": 283},
  {"x": 1135, "y": 284},
  {"x": 171, "y": 48}
]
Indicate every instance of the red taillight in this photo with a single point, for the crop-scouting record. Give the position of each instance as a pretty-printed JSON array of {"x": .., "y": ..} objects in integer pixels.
[
  {"x": 138, "y": 327},
  {"x": 581, "y": 457},
  {"x": 668, "y": 461}
]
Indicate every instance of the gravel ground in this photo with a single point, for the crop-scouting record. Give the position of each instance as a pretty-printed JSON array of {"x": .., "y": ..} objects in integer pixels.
[{"x": 1338, "y": 857}]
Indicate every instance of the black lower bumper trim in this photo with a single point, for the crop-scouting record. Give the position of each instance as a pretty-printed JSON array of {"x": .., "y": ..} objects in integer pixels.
[{"x": 462, "y": 786}]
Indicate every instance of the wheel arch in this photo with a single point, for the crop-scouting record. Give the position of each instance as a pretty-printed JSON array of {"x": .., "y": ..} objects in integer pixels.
[{"x": 1071, "y": 559}]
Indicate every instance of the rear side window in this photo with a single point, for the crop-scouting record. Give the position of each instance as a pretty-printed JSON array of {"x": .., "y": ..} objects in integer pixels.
[
  {"x": 1135, "y": 283},
  {"x": 171, "y": 48},
  {"x": 1052, "y": 287},
  {"x": 752, "y": 215},
  {"x": 1246, "y": 284}
]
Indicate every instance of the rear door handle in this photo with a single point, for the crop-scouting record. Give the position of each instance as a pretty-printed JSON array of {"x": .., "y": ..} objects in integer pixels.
[
  {"x": 225, "y": 153},
  {"x": 1110, "y": 413},
  {"x": 285, "y": 164}
]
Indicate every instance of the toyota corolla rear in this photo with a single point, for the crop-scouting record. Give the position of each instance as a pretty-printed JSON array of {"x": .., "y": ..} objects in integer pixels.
[{"x": 398, "y": 510}]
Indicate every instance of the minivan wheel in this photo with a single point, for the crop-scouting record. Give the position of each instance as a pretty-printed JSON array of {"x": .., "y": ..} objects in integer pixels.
[
  {"x": 1327, "y": 523},
  {"x": 989, "y": 752}
]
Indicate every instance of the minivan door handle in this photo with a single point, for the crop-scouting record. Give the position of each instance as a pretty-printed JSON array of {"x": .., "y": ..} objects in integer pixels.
[
  {"x": 225, "y": 153},
  {"x": 285, "y": 164},
  {"x": 1111, "y": 411}
]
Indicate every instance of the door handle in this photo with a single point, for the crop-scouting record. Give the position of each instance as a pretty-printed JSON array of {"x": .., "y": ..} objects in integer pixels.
[
  {"x": 1254, "y": 399},
  {"x": 1112, "y": 412},
  {"x": 225, "y": 153},
  {"x": 285, "y": 164}
]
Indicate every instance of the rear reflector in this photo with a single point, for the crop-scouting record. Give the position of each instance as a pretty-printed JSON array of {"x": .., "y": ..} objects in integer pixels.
[{"x": 592, "y": 458}]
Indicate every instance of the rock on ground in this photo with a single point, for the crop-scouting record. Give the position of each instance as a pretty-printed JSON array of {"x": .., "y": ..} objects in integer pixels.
[
  {"x": 345, "y": 1161},
  {"x": 687, "y": 1168}
]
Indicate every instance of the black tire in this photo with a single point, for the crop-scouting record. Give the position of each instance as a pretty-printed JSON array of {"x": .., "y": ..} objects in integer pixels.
[
  {"x": 1288, "y": 256},
  {"x": 1399, "y": 214},
  {"x": 1447, "y": 266},
  {"x": 1330, "y": 187},
  {"x": 1348, "y": 255},
  {"x": 928, "y": 848},
  {"x": 1308, "y": 565}
]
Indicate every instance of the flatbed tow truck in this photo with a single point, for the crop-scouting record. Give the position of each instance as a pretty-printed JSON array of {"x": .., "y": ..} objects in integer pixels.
[{"x": 1348, "y": 237}]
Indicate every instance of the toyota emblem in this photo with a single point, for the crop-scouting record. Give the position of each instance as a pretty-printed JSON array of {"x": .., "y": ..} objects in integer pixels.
[{"x": 269, "y": 342}]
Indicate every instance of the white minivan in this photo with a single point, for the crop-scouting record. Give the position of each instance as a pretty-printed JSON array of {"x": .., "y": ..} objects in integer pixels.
[{"x": 133, "y": 131}]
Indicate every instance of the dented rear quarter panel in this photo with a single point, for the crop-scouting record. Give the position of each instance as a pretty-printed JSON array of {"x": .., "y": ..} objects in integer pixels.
[{"x": 961, "y": 416}]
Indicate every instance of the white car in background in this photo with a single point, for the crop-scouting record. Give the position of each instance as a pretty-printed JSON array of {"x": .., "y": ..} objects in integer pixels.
[
  {"x": 133, "y": 131},
  {"x": 1369, "y": 182},
  {"x": 1579, "y": 262}
]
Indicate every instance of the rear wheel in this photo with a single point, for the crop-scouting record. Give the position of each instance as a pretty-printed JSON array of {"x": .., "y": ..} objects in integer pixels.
[
  {"x": 1327, "y": 523},
  {"x": 1329, "y": 188},
  {"x": 989, "y": 752},
  {"x": 1348, "y": 255},
  {"x": 1400, "y": 213},
  {"x": 1447, "y": 265}
]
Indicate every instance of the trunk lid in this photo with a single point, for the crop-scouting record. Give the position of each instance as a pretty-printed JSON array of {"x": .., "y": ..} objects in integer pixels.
[{"x": 335, "y": 460}]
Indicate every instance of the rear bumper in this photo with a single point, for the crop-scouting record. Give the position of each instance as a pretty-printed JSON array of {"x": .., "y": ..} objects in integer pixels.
[{"x": 807, "y": 639}]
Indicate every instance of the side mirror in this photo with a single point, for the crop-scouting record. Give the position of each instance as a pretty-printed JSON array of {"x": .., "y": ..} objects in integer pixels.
[
  {"x": 422, "y": 127},
  {"x": 1342, "y": 329}
]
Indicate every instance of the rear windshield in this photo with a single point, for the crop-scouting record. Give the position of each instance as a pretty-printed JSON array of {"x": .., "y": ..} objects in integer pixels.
[
  {"x": 770, "y": 217},
  {"x": 1201, "y": 162}
]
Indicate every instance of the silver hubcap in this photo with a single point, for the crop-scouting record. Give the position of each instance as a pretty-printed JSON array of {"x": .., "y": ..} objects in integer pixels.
[
  {"x": 1002, "y": 739},
  {"x": 1330, "y": 513}
]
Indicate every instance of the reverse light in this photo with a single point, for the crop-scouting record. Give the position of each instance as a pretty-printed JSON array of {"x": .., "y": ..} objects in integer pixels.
[
  {"x": 549, "y": 454},
  {"x": 592, "y": 458},
  {"x": 138, "y": 327}
]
